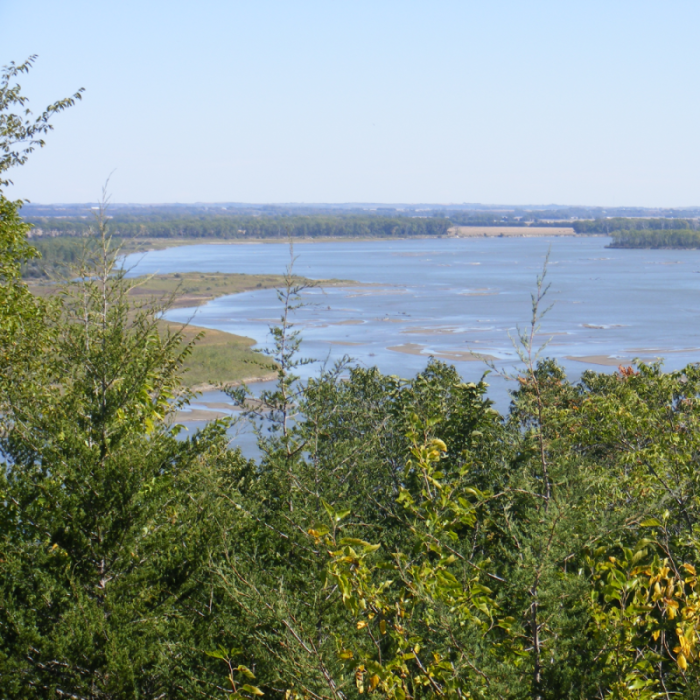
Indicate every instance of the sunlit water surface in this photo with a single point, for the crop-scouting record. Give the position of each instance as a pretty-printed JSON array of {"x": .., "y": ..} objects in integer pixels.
[{"x": 454, "y": 297}]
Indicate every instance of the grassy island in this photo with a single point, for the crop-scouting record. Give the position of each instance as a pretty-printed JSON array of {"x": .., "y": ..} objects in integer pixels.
[{"x": 218, "y": 357}]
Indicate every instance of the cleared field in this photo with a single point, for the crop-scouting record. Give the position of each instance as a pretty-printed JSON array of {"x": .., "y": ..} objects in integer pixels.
[{"x": 513, "y": 231}]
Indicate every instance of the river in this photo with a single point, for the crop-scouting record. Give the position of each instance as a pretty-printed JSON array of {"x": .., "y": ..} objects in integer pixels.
[{"x": 460, "y": 298}]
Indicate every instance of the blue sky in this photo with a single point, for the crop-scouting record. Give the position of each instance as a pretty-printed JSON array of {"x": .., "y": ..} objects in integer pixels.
[{"x": 493, "y": 101}]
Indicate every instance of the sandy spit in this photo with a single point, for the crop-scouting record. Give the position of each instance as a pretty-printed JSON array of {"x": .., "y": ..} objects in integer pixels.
[
  {"x": 456, "y": 356},
  {"x": 199, "y": 414},
  {"x": 200, "y": 388},
  {"x": 603, "y": 360}
]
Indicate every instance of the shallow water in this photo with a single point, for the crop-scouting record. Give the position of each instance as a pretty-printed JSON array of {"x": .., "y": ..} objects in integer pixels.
[{"x": 449, "y": 297}]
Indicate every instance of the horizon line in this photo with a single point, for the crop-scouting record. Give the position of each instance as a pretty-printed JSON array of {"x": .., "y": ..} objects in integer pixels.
[{"x": 392, "y": 205}]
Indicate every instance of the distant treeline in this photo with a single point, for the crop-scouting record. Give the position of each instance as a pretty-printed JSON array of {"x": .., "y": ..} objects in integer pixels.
[
  {"x": 463, "y": 214},
  {"x": 500, "y": 219},
  {"x": 60, "y": 240},
  {"x": 611, "y": 225},
  {"x": 232, "y": 227},
  {"x": 655, "y": 238},
  {"x": 57, "y": 255}
]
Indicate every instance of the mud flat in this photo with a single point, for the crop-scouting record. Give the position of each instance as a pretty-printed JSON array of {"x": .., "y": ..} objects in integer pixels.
[
  {"x": 602, "y": 360},
  {"x": 644, "y": 354},
  {"x": 453, "y": 356},
  {"x": 432, "y": 331},
  {"x": 662, "y": 351},
  {"x": 199, "y": 414}
]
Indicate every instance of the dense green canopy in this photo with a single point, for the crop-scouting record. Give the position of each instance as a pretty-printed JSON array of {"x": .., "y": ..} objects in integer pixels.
[{"x": 397, "y": 537}]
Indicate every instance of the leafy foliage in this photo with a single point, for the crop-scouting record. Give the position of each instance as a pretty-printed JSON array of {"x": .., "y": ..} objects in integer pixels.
[
  {"x": 20, "y": 134},
  {"x": 396, "y": 537},
  {"x": 668, "y": 238},
  {"x": 228, "y": 225}
]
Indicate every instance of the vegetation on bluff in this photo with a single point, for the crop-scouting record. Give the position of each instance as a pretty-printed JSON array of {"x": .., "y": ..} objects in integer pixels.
[
  {"x": 62, "y": 240},
  {"x": 644, "y": 232},
  {"x": 396, "y": 538},
  {"x": 251, "y": 227},
  {"x": 660, "y": 238}
]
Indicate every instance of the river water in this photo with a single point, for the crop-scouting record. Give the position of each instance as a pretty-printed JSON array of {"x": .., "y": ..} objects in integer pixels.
[{"x": 457, "y": 298}]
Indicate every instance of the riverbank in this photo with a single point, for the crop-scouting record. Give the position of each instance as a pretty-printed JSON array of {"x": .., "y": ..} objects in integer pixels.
[
  {"x": 510, "y": 231},
  {"x": 144, "y": 245},
  {"x": 220, "y": 359},
  {"x": 217, "y": 357},
  {"x": 191, "y": 289}
]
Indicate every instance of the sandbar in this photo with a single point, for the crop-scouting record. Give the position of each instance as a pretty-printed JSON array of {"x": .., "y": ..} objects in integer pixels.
[
  {"x": 662, "y": 351},
  {"x": 199, "y": 414},
  {"x": 207, "y": 386},
  {"x": 432, "y": 331},
  {"x": 212, "y": 405},
  {"x": 603, "y": 360},
  {"x": 455, "y": 356}
]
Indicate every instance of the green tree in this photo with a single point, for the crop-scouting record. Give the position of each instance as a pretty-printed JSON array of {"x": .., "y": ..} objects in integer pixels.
[
  {"x": 20, "y": 134},
  {"x": 105, "y": 525},
  {"x": 96, "y": 561}
]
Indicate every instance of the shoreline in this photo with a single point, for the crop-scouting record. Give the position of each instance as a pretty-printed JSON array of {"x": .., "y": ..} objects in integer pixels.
[
  {"x": 207, "y": 386},
  {"x": 153, "y": 244}
]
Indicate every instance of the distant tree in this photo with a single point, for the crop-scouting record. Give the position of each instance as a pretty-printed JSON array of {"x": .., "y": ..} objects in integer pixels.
[{"x": 20, "y": 134}]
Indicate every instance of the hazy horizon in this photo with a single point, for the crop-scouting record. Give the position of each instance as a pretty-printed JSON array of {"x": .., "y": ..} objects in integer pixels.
[{"x": 462, "y": 205}]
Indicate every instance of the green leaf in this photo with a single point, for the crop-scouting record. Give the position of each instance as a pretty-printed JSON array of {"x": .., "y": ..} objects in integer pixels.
[{"x": 253, "y": 690}]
